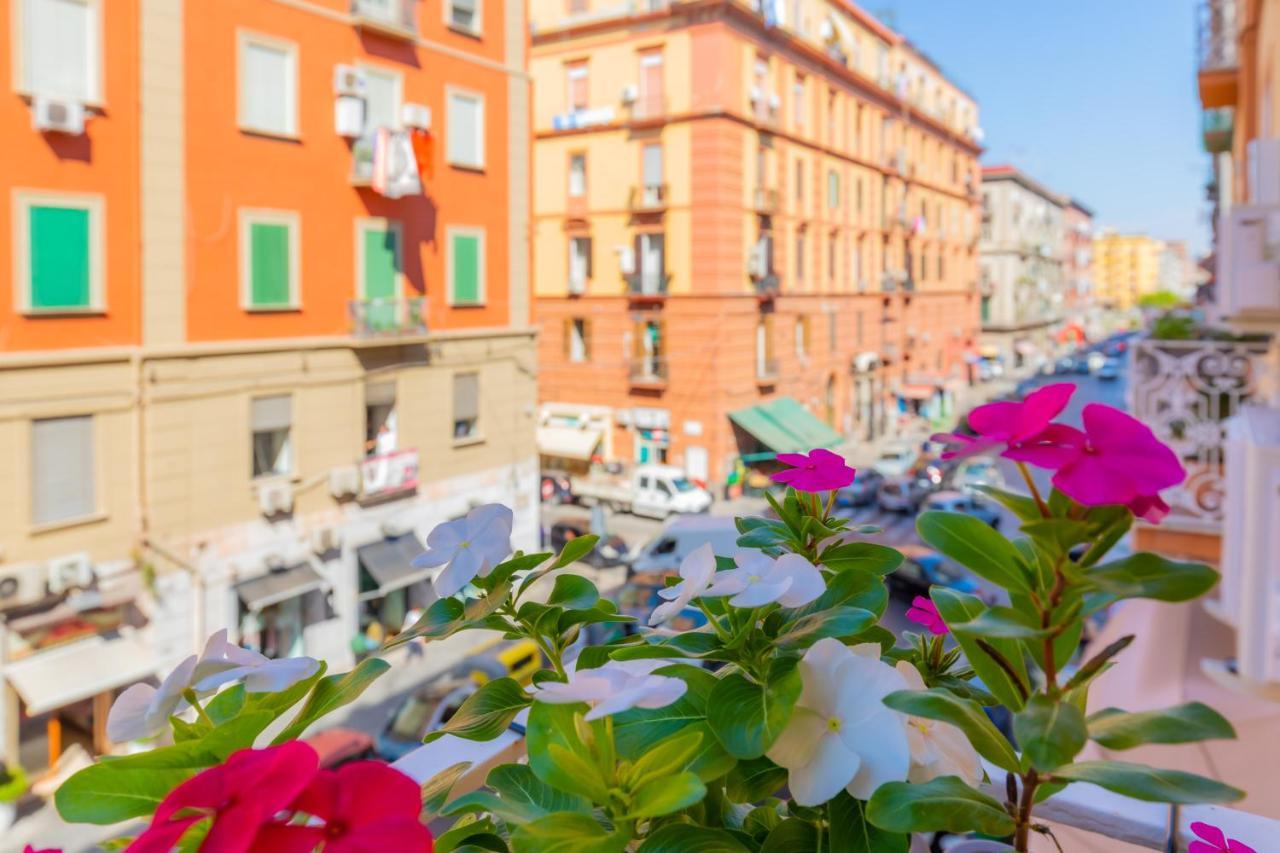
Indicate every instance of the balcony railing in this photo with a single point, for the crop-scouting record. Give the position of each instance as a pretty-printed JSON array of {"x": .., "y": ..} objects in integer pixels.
[
  {"x": 649, "y": 370},
  {"x": 1219, "y": 128},
  {"x": 388, "y": 474},
  {"x": 391, "y": 316},
  {"x": 1185, "y": 391},
  {"x": 765, "y": 200},
  {"x": 647, "y": 283},
  {"x": 768, "y": 283},
  {"x": 647, "y": 198},
  {"x": 1219, "y": 29},
  {"x": 389, "y": 17}
]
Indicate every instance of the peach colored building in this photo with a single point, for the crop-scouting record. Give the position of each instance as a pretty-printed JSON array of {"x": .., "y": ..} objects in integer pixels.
[{"x": 738, "y": 214}]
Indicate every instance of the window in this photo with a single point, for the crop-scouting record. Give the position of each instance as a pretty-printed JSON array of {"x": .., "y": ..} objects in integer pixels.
[
  {"x": 59, "y": 248},
  {"x": 579, "y": 263},
  {"x": 466, "y": 129},
  {"x": 268, "y": 259},
  {"x": 577, "y": 339},
  {"x": 650, "y": 102},
  {"x": 798, "y": 100},
  {"x": 62, "y": 469},
  {"x": 577, "y": 7},
  {"x": 857, "y": 194},
  {"x": 831, "y": 331},
  {"x": 652, "y": 165},
  {"x": 799, "y": 180},
  {"x": 858, "y": 328},
  {"x": 268, "y": 79},
  {"x": 271, "y": 421},
  {"x": 466, "y": 405},
  {"x": 802, "y": 337},
  {"x": 833, "y": 189},
  {"x": 800, "y": 255},
  {"x": 380, "y": 419},
  {"x": 576, "y": 85},
  {"x": 383, "y": 94},
  {"x": 379, "y": 268},
  {"x": 832, "y": 239},
  {"x": 941, "y": 266},
  {"x": 60, "y": 49},
  {"x": 831, "y": 115},
  {"x": 577, "y": 175},
  {"x": 464, "y": 15},
  {"x": 466, "y": 266},
  {"x": 651, "y": 262},
  {"x": 855, "y": 264},
  {"x": 766, "y": 366}
]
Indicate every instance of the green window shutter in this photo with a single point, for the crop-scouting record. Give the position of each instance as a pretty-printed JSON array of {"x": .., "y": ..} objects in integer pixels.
[
  {"x": 269, "y": 260},
  {"x": 381, "y": 264},
  {"x": 59, "y": 257},
  {"x": 466, "y": 269}
]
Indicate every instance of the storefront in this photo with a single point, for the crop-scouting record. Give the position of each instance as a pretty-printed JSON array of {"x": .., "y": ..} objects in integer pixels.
[
  {"x": 389, "y": 588},
  {"x": 762, "y": 431},
  {"x": 571, "y": 437},
  {"x": 650, "y": 433},
  {"x": 276, "y": 609}
]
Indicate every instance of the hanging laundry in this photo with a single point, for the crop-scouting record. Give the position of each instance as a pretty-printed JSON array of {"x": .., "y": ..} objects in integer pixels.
[
  {"x": 424, "y": 146},
  {"x": 395, "y": 170}
]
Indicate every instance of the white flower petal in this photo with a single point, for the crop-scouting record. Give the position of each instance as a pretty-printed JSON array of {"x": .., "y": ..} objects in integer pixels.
[
  {"x": 761, "y": 592},
  {"x": 699, "y": 567},
  {"x": 798, "y": 741},
  {"x": 818, "y": 670},
  {"x": 461, "y": 571},
  {"x": 277, "y": 675},
  {"x": 729, "y": 582},
  {"x": 910, "y": 675},
  {"x": 215, "y": 678},
  {"x": 752, "y": 561},
  {"x": 489, "y": 519},
  {"x": 670, "y": 593},
  {"x": 447, "y": 536},
  {"x": 885, "y": 755},
  {"x": 129, "y": 717},
  {"x": 832, "y": 768},
  {"x": 806, "y": 581},
  {"x": 862, "y": 685},
  {"x": 665, "y": 611},
  {"x": 661, "y": 691}
]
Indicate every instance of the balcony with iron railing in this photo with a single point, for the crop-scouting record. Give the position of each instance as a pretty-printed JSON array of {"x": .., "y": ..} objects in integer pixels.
[
  {"x": 388, "y": 17},
  {"x": 647, "y": 198},
  {"x": 648, "y": 371},
  {"x": 1218, "y": 127},
  {"x": 388, "y": 317},
  {"x": 1218, "y": 34},
  {"x": 647, "y": 283},
  {"x": 765, "y": 200}
]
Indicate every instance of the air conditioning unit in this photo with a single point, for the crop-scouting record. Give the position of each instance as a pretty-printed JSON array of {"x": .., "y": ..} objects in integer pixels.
[
  {"x": 325, "y": 539},
  {"x": 57, "y": 116},
  {"x": 349, "y": 80},
  {"x": 393, "y": 527},
  {"x": 275, "y": 498},
  {"x": 630, "y": 93},
  {"x": 344, "y": 482},
  {"x": 22, "y": 584},
  {"x": 70, "y": 572},
  {"x": 416, "y": 116}
]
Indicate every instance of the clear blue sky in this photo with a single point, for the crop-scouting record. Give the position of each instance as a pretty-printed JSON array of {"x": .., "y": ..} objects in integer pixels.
[{"x": 1095, "y": 98}]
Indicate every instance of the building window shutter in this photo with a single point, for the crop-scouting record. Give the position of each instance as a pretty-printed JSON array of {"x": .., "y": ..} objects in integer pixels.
[
  {"x": 568, "y": 338},
  {"x": 269, "y": 260},
  {"x": 586, "y": 339},
  {"x": 466, "y": 130},
  {"x": 466, "y": 405},
  {"x": 62, "y": 469},
  {"x": 60, "y": 49},
  {"x": 466, "y": 269},
  {"x": 60, "y": 260},
  {"x": 267, "y": 88},
  {"x": 381, "y": 100},
  {"x": 652, "y": 165}
]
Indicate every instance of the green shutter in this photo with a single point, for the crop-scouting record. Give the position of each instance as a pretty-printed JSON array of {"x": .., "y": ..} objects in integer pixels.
[
  {"x": 269, "y": 260},
  {"x": 381, "y": 276},
  {"x": 59, "y": 257},
  {"x": 466, "y": 270}
]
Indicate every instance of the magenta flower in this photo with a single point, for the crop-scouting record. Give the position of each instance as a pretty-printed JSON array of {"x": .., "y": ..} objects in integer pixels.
[
  {"x": 1020, "y": 427},
  {"x": 1117, "y": 460},
  {"x": 818, "y": 470},
  {"x": 924, "y": 612},
  {"x": 1215, "y": 841}
]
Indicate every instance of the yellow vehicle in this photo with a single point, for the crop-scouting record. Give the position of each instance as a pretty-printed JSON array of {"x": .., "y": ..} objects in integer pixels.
[{"x": 496, "y": 659}]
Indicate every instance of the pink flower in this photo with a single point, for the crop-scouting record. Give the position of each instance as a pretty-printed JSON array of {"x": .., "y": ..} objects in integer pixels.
[
  {"x": 30, "y": 849},
  {"x": 1020, "y": 427},
  {"x": 1117, "y": 460},
  {"x": 241, "y": 795},
  {"x": 924, "y": 612},
  {"x": 365, "y": 806},
  {"x": 818, "y": 470},
  {"x": 1215, "y": 841}
]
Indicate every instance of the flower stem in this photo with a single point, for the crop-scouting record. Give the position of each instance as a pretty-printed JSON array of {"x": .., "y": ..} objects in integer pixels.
[
  {"x": 1029, "y": 784},
  {"x": 831, "y": 501},
  {"x": 712, "y": 620},
  {"x": 1035, "y": 492},
  {"x": 194, "y": 702},
  {"x": 552, "y": 653}
]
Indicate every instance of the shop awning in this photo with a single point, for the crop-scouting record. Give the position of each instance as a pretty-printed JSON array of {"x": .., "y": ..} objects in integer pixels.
[
  {"x": 568, "y": 442},
  {"x": 784, "y": 426},
  {"x": 275, "y": 587},
  {"x": 57, "y": 677},
  {"x": 390, "y": 563}
]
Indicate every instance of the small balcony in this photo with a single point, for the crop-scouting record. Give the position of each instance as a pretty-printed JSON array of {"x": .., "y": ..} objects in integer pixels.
[
  {"x": 765, "y": 201},
  {"x": 388, "y": 475},
  {"x": 1218, "y": 35},
  {"x": 768, "y": 284},
  {"x": 388, "y": 317},
  {"x": 1218, "y": 125},
  {"x": 648, "y": 372},
  {"x": 649, "y": 106},
  {"x": 647, "y": 283},
  {"x": 392, "y": 18},
  {"x": 647, "y": 198}
]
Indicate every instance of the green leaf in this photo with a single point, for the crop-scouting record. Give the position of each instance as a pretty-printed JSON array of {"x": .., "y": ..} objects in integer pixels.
[
  {"x": 441, "y": 619},
  {"x": 436, "y": 789},
  {"x": 761, "y": 820},
  {"x": 1107, "y": 526},
  {"x": 940, "y": 704},
  {"x": 958, "y": 607},
  {"x": 668, "y": 756},
  {"x": 965, "y": 689},
  {"x": 1000, "y": 622},
  {"x": 228, "y": 703},
  {"x": 974, "y": 544},
  {"x": 575, "y": 549},
  {"x": 104, "y": 794},
  {"x": 754, "y": 779},
  {"x": 519, "y": 563},
  {"x": 637, "y": 731},
  {"x": 1146, "y": 575},
  {"x": 573, "y": 592},
  {"x": 790, "y": 836},
  {"x": 517, "y": 796},
  {"x": 331, "y": 693},
  {"x": 551, "y": 731},
  {"x": 1020, "y": 505},
  {"x": 687, "y": 838},
  {"x": 471, "y": 834},
  {"x": 836, "y": 622},
  {"x": 1194, "y": 721},
  {"x": 566, "y": 832},
  {"x": 850, "y": 588},
  {"x": 486, "y": 713},
  {"x": 761, "y": 537},
  {"x": 666, "y": 795},
  {"x": 851, "y": 832},
  {"x": 860, "y": 556},
  {"x": 1149, "y": 783},
  {"x": 1050, "y": 732},
  {"x": 747, "y": 717},
  {"x": 1059, "y": 535},
  {"x": 945, "y": 803}
]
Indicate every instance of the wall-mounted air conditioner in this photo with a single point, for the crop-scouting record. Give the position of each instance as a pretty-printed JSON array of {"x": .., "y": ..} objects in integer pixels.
[
  {"x": 74, "y": 571},
  {"x": 630, "y": 93},
  {"x": 326, "y": 539},
  {"x": 416, "y": 116},
  {"x": 344, "y": 481},
  {"x": 54, "y": 116},
  {"x": 22, "y": 584},
  {"x": 349, "y": 80},
  {"x": 275, "y": 498}
]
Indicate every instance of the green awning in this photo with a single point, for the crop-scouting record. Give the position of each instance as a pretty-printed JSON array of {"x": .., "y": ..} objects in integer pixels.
[{"x": 784, "y": 426}]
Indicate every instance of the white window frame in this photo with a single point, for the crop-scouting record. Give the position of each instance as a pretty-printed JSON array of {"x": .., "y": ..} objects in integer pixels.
[
  {"x": 96, "y": 512},
  {"x": 365, "y": 224},
  {"x": 576, "y": 155},
  {"x": 450, "y": 93},
  {"x": 371, "y": 69},
  {"x": 93, "y": 61},
  {"x": 245, "y": 38},
  {"x": 249, "y": 216},
  {"x": 290, "y": 446},
  {"x": 23, "y": 201},
  {"x": 466, "y": 231},
  {"x": 477, "y": 30}
]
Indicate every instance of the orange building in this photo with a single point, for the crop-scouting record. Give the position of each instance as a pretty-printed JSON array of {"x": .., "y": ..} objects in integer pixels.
[
  {"x": 742, "y": 216},
  {"x": 266, "y": 322}
]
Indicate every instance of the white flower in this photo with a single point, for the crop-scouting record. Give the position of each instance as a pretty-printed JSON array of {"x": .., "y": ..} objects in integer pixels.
[
  {"x": 613, "y": 688},
  {"x": 143, "y": 711},
  {"x": 790, "y": 580},
  {"x": 937, "y": 748},
  {"x": 841, "y": 734},
  {"x": 222, "y": 662},
  {"x": 470, "y": 546},
  {"x": 697, "y": 569}
]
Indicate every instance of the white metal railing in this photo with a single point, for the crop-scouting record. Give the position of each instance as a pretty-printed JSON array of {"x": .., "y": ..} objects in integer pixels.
[{"x": 1185, "y": 391}]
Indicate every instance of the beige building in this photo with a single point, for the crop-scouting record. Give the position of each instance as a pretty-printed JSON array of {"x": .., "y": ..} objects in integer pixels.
[{"x": 1126, "y": 267}]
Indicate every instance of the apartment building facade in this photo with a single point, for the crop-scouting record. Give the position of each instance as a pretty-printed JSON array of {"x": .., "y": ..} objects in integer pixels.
[
  {"x": 268, "y": 323},
  {"x": 1125, "y": 268},
  {"x": 745, "y": 215}
]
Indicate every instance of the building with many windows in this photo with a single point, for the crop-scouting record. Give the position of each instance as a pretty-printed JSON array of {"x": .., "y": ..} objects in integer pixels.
[
  {"x": 267, "y": 322},
  {"x": 1125, "y": 268},
  {"x": 745, "y": 210}
]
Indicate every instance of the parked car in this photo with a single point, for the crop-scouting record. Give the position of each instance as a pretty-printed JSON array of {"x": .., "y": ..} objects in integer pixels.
[
  {"x": 420, "y": 713},
  {"x": 556, "y": 488},
  {"x": 977, "y": 471},
  {"x": 339, "y": 745},
  {"x": 679, "y": 538},
  {"x": 862, "y": 492},
  {"x": 1110, "y": 371},
  {"x": 924, "y": 568},
  {"x": 1095, "y": 360},
  {"x": 653, "y": 490},
  {"x": 610, "y": 551},
  {"x": 902, "y": 494},
  {"x": 951, "y": 501},
  {"x": 895, "y": 459},
  {"x": 1066, "y": 364}
]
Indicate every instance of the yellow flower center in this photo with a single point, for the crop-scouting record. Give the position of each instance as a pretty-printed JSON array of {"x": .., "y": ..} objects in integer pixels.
[
  {"x": 922, "y": 725},
  {"x": 833, "y": 724},
  {"x": 753, "y": 578},
  {"x": 464, "y": 544}
]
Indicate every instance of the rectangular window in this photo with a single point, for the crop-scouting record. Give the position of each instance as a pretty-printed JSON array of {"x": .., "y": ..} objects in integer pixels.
[
  {"x": 577, "y": 175},
  {"x": 577, "y": 339},
  {"x": 831, "y": 116},
  {"x": 271, "y": 422},
  {"x": 833, "y": 189},
  {"x": 379, "y": 270},
  {"x": 799, "y": 180},
  {"x": 651, "y": 262},
  {"x": 268, "y": 83},
  {"x": 579, "y": 263},
  {"x": 62, "y": 469},
  {"x": 383, "y": 94},
  {"x": 60, "y": 49},
  {"x": 831, "y": 331},
  {"x": 650, "y": 102},
  {"x": 798, "y": 100},
  {"x": 269, "y": 259},
  {"x": 466, "y": 129},
  {"x": 58, "y": 240},
  {"x": 800, "y": 255},
  {"x": 464, "y": 15},
  {"x": 832, "y": 239},
  {"x": 466, "y": 266},
  {"x": 802, "y": 337},
  {"x": 380, "y": 420},
  {"x": 652, "y": 165},
  {"x": 466, "y": 405},
  {"x": 857, "y": 194},
  {"x": 576, "y": 85}
]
